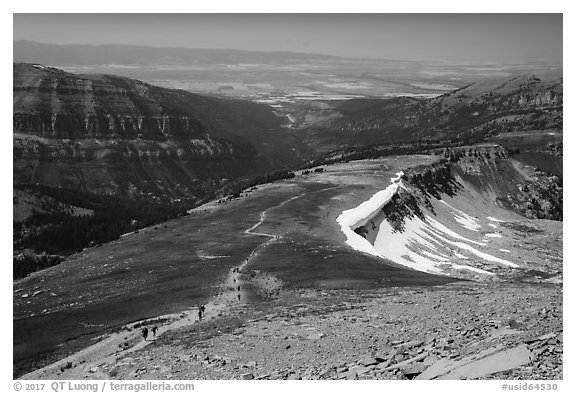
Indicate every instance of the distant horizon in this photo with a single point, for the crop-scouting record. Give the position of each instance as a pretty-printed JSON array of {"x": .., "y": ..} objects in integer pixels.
[
  {"x": 435, "y": 60},
  {"x": 453, "y": 38}
]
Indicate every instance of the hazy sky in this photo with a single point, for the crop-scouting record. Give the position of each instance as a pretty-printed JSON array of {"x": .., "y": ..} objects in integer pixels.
[{"x": 475, "y": 37}]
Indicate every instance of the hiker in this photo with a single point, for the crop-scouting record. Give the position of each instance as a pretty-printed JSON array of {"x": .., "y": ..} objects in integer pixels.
[
  {"x": 145, "y": 333},
  {"x": 203, "y": 309},
  {"x": 154, "y": 329},
  {"x": 238, "y": 287},
  {"x": 200, "y": 314},
  {"x": 238, "y": 296}
]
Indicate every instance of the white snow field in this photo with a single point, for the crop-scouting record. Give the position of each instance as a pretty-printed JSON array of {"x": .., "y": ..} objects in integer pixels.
[
  {"x": 361, "y": 214},
  {"x": 425, "y": 245}
]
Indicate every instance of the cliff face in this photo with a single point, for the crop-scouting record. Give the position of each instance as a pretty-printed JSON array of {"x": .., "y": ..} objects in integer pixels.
[
  {"x": 441, "y": 218},
  {"x": 489, "y": 169},
  {"x": 162, "y": 172},
  {"x": 115, "y": 135},
  {"x": 52, "y": 103}
]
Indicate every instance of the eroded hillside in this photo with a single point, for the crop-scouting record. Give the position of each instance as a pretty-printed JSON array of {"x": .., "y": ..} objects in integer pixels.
[
  {"x": 452, "y": 217},
  {"x": 114, "y": 135}
]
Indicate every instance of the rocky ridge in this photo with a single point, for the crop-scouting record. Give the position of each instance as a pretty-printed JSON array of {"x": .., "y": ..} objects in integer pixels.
[{"x": 524, "y": 189}]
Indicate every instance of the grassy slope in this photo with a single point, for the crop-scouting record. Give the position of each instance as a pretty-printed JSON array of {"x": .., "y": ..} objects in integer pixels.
[{"x": 162, "y": 270}]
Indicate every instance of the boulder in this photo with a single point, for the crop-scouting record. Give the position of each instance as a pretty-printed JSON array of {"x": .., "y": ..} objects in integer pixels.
[
  {"x": 485, "y": 363},
  {"x": 413, "y": 370},
  {"x": 501, "y": 361},
  {"x": 369, "y": 361},
  {"x": 406, "y": 362}
]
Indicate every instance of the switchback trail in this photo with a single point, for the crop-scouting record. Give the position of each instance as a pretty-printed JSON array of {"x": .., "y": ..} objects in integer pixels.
[
  {"x": 273, "y": 237},
  {"x": 87, "y": 362}
]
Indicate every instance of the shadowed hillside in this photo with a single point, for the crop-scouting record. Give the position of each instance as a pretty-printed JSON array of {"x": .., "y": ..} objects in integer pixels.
[{"x": 478, "y": 112}]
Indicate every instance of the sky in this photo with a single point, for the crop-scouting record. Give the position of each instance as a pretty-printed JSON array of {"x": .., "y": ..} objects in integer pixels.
[{"x": 451, "y": 37}]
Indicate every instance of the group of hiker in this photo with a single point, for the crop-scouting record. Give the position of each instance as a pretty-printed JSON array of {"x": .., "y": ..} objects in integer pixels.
[
  {"x": 237, "y": 288},
  {"x": 201, "y": 311},
  {"x": 153, "y": 329},
  {"x": 237, "y": 270}
]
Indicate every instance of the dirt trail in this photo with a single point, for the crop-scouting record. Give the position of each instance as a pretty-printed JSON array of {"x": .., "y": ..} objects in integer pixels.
[
  {"x": 86, "y": 363},
  {"x": 250, "y": 231}
]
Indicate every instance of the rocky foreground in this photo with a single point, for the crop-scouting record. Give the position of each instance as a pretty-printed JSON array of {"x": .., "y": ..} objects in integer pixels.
[{"x": 458, "y": 331}]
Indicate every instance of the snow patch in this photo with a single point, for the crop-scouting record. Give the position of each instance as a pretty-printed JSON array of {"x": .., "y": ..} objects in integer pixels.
[
  {"x": 494, "y": 219},
  {"x": 474, "y": 251},
  {"x": 442, "y": 228},
  {"x": 432, "y": 255},
  {"x": 394, "y": 246},
  {"x": 493, "y": 235},
  {"x": 464, "y": 219},
  {"x": 360, "y": 215},
  {"x": 406, "y": 248}
]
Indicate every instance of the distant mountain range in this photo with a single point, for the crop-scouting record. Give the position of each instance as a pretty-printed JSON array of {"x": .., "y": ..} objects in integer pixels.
[{"x": 84, "y": 55}]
